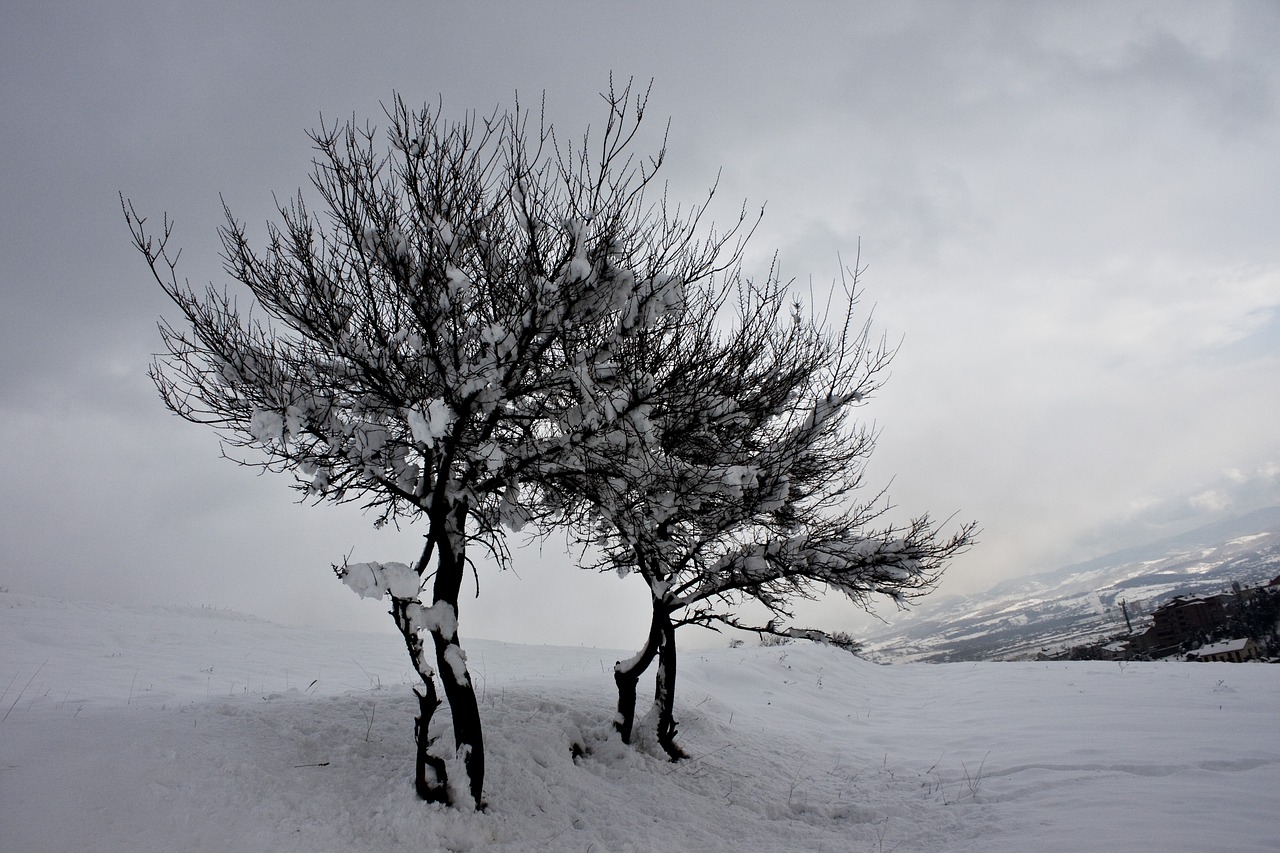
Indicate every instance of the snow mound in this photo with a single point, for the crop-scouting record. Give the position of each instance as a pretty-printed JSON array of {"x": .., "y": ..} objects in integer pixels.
[{"x": 140, "y": 729}]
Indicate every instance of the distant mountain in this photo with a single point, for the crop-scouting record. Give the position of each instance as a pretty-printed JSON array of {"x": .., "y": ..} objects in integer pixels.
[{"x": 1082, "y": 602}]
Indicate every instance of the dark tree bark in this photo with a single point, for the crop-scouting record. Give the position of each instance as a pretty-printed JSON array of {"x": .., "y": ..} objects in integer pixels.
[
  {"x": 430, "y": 777},
  {"x": 627, "y": 677},
  {"x": 467, "y": 733},
  {"x": 665, "y": 695},
  {"x": 661, "y": 644},
  {"x": 451, "y": 664}
]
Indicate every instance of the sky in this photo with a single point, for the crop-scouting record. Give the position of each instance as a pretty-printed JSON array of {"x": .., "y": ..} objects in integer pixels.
[{"x": 1068, "y": 215}]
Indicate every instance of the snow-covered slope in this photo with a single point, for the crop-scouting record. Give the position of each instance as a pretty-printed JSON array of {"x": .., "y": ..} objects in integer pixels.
[
  {"x": 138, "y": 729},
  {"x": 1078, "y": 603}
]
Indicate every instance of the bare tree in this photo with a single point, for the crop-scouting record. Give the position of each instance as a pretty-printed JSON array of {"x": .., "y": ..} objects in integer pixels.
[
  {"x": 741, "y": 486},
  {"x": 438, "y": 343}
]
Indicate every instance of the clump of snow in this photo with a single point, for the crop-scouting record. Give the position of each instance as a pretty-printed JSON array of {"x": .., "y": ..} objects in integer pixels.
[
  {"x": 440, "y": 618},
  {"x": 158, "y": 729},
  {"x": 266, "y": 426},
  {"x": 738, "y": 477},
  {"x": 374, "y": 580},
  {"x": 456, "y": 658},
  {"x": 432, "y": 423}
]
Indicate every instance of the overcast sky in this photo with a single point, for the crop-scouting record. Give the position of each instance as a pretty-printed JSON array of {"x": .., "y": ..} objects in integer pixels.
[{"x": 1069, "y": 215}]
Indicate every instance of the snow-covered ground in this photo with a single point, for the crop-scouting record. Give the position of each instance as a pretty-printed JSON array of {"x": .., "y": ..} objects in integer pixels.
[{"x": 140, "y": 729}]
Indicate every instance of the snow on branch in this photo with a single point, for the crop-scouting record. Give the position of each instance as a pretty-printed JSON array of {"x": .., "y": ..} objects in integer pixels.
[{"x": 374, "y": 580}]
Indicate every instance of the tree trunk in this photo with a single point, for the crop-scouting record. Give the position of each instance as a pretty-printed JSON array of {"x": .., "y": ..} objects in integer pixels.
[
  {"x": 665, "y": 695},
  {"x": 626, "y": 674},
  {"x": 450, "y": 660},
  {"x": 467, "y": 734},
  {"x": 431, "y": 778}
]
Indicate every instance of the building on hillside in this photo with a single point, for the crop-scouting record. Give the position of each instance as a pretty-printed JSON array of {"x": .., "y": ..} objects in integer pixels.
[
  {"x": 1178, "y": 621},
  {"x": 1182, "y": 618},
  {"x": 1226, "y": 651},
  {"x": 1115, "y": 650}
]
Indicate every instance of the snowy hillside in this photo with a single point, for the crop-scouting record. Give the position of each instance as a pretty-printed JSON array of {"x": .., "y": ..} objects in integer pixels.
[
  {"x": 142, "y": 729},
  {"x": 1079, "y": 603}
]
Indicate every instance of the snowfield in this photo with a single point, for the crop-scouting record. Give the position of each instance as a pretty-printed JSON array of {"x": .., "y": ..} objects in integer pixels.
[{"x": 172, "y": 729}]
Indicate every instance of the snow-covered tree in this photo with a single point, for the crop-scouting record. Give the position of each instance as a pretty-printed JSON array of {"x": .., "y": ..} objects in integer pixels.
[
  {"x": 437, "y": 343},
  {"x": 740, "y": 488}
]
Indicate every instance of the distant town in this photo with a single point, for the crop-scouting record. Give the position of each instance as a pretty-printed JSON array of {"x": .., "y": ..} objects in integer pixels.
[
  {"x": 1210, "y": 591},
  {"x": 1233, "y": 627}
]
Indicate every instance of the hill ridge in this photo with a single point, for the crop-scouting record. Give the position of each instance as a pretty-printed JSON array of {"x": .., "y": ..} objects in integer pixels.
[{"x": 1080, "y": 602}]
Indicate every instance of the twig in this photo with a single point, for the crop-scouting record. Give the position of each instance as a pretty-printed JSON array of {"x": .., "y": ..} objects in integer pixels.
[
  {"x": 7, "y": 686},
  {"x": 23, "y": 690},
  {"x": 975, "y": 782},
  {"x": 697, "y": 758},
  {"x": 880, "y": 831},
  {"x": 374, "y": 684}
]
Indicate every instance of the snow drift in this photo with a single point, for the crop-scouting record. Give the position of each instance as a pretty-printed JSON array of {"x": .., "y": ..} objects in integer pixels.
[{"x": 138, "y": 729}]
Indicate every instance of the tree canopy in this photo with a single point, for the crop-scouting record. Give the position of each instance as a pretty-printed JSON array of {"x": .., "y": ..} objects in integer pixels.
[{"x": 486, "y": 326}]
